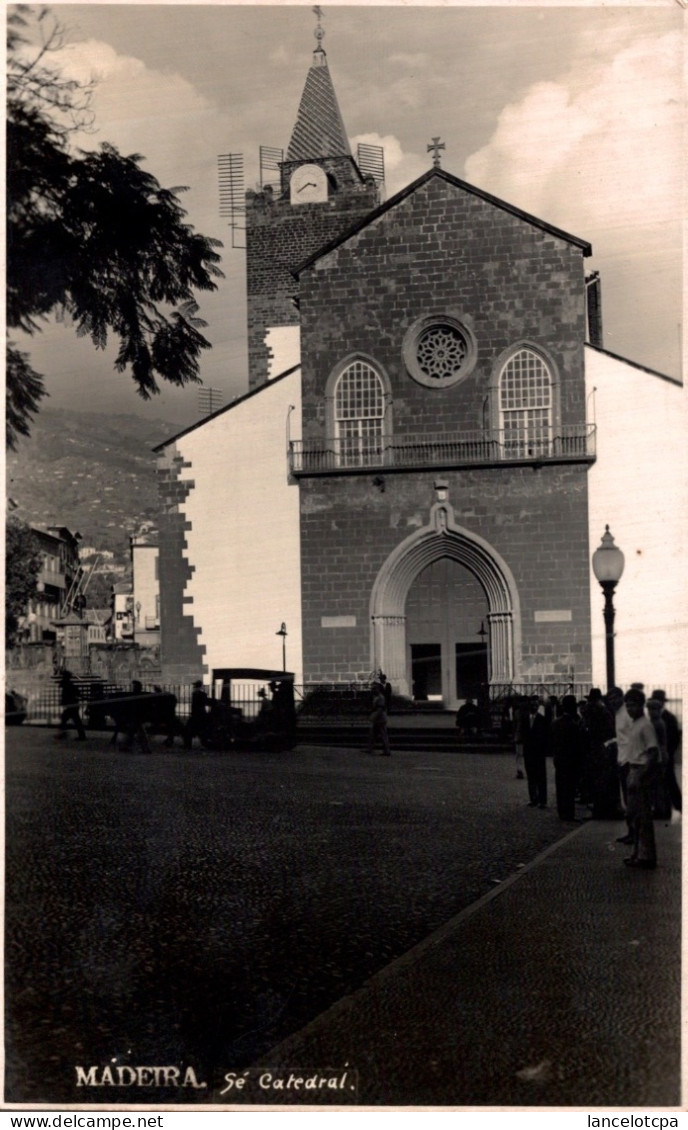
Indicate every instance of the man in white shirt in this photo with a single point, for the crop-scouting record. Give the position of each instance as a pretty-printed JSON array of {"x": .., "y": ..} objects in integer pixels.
[
  {"x": 643, "y": 757},
  {"x": 622, "y": 725}
]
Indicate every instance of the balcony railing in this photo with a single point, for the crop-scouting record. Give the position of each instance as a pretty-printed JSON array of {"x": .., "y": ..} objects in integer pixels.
[
  {"x": 571, "y": 443},
  {"x": 52, "y": 579}
]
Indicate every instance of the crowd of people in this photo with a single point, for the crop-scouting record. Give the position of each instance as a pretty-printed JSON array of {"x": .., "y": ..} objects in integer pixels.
[{"x": 613, "y": 754}]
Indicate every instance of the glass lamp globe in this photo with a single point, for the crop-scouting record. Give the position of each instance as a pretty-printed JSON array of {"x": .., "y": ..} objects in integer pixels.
[{"x": 607, "y": 560}]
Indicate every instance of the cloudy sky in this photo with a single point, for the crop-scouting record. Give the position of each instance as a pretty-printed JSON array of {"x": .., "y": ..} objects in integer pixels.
[{"x": 571, "y": 113}]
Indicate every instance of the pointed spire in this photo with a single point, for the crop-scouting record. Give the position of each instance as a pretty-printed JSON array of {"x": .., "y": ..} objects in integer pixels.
[{"x": 319, "y": 129}]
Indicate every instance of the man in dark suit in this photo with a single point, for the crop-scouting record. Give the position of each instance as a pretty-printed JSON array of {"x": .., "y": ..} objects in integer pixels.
[
  {"x": 673, "y": 741},
  {"x": 568, "y": 746},
  {"x": 534, "y": 752}
]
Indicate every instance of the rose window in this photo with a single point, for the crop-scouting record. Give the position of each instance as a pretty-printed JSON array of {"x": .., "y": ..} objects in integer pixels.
[{"x": 441, "y": 352}]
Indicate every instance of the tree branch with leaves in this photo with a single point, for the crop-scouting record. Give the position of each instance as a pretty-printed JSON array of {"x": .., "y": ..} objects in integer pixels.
[{"x": 91, "y": 236}]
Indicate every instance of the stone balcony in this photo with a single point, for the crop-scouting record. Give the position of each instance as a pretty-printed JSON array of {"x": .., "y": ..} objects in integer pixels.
[{"x": 448, "y": 450}]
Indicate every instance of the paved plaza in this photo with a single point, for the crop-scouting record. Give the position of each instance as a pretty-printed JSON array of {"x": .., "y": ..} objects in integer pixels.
[{"x": 407, "y": 924}]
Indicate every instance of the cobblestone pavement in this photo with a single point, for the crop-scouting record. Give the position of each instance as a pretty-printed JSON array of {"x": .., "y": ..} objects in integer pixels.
[
  {"x": 195, "y": 910},
  {"x": 561, "y": 988}
]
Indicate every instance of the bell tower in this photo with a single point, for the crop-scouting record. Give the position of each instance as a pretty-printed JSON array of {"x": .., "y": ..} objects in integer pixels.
[{"x": 322, "y": 192}]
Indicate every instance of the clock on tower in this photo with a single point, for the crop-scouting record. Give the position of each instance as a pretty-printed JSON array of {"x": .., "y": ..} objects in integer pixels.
[{"x": 308, "y": 185}]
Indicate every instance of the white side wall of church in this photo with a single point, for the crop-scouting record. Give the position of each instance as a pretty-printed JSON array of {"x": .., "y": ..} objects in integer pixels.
[
  {"x": 638, "y": 486},
  {"x": 284, "y": 343},
  {"x": 243, "y": 537}
]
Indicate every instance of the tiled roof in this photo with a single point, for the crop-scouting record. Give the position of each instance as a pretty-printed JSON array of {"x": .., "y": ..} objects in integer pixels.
[{"x": 319, "y": 129}]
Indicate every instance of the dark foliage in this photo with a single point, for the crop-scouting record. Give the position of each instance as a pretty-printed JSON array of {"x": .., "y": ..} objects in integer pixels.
[
  {"x": 24, "y": 391},
  {"x": 92, "y": 236},
  {"x": 22, "y": 566}
]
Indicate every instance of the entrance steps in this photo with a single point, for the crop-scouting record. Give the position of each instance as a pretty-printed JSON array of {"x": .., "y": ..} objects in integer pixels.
[{"x": 421, "y": 731}]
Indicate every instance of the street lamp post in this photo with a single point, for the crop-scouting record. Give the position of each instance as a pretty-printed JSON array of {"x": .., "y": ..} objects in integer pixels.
[
  {"x": 608, "y": 566},
  {"x": 283, "y": 633}
]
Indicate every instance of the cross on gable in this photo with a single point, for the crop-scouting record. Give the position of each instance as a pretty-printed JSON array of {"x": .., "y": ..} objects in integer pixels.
[{"x": 435, "y": 150}]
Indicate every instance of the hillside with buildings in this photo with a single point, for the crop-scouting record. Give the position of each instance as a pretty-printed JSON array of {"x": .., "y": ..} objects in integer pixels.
[{"x": 91, "y": 472}]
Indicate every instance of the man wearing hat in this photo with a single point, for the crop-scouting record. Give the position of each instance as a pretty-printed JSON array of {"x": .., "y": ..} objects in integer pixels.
[
  {"x": 567, "y": 744},
  {"x": 673, "y": 741},
  {"x": 602, "y": 770}
]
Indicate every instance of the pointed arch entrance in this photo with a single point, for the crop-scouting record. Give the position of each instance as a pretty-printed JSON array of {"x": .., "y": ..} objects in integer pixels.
[{"x": 443, "y": 538}]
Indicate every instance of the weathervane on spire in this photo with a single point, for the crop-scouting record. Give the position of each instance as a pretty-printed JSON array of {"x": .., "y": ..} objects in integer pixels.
[
  {"x": 435, "y": 150},
  {"x": 319, "y": 32}
]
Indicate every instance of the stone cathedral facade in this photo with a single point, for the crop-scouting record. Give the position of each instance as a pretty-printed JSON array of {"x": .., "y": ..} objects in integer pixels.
[{"x": 428, "y": 451}]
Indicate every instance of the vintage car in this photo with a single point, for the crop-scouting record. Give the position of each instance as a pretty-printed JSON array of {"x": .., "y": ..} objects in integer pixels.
[{"x": 251, "y": 707}]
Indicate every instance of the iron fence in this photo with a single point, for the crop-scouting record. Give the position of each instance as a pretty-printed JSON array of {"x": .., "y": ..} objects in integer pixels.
[
  {"x": 443, "y": 449},
  {"x": 315, "y": 703}
]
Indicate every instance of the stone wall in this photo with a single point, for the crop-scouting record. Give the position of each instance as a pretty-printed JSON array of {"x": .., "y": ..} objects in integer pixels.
[
  {"x": 30, "y": 669},
  {"x": 280, "y": 236},
  {"x": 535, "y": 520},
  {"x": 444, "y": 250},
  {"x": 181, "y": 654}
]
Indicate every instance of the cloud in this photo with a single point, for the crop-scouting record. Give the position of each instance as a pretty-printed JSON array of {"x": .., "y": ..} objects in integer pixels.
[
  {"x": 281, "y": 56},
  {"x": 136, "y": 108},
  {"x": 400, "y": 168},
  {"x": 601, "y": 148},
  {"x": 418, "y": 61},
  {"x": 599, "y": 154}
]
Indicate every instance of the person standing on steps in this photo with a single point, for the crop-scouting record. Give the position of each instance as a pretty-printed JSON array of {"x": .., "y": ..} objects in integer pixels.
[
  {"x": 468, "y": 721},
  {"x": 387, "y": 691}
]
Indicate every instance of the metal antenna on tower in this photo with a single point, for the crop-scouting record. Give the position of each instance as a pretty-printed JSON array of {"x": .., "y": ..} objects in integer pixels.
[{"x": 230, "y": 168}]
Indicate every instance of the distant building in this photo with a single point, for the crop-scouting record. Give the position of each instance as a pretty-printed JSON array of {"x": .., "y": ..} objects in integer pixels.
[
  {"x": 136, "y": 602},
  {"x": 146, "y": 588},
  {"x": 123, "y": 613},
  {"x": 57, "y": 581},
  {"x": 98, "y": 620}
]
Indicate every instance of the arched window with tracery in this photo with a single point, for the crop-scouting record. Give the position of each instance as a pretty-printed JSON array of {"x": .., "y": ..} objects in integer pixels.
[
  {"x": 525, "y": 405},
  {"x": 359, "y": 411}
]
